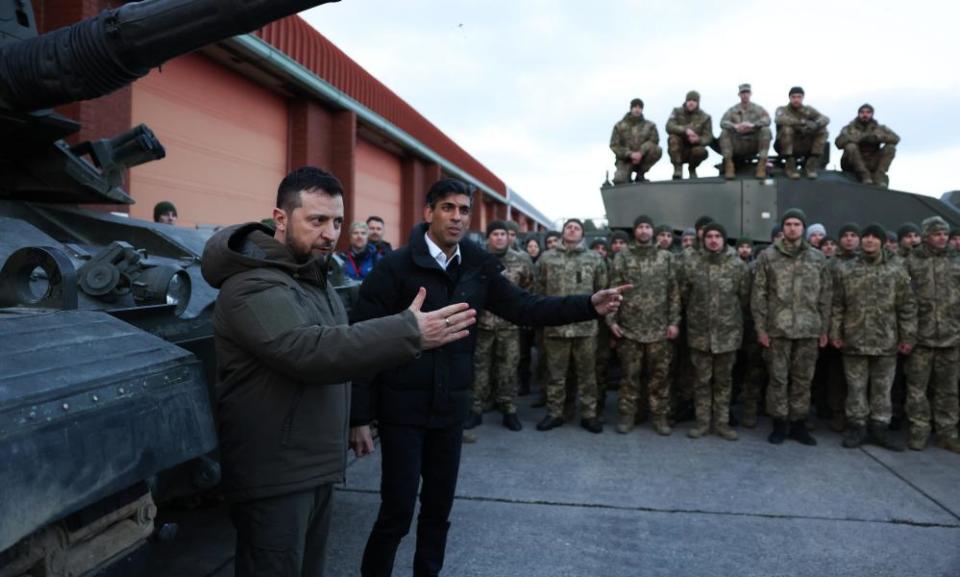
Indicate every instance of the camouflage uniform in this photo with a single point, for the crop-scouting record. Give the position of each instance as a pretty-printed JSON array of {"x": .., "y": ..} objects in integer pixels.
[
  {"x": 634, "y": 134},
  {"x": 680, "y": 149},
  {"x": 935, "y": 278},
  {"x": 790, "y": 303},
  {"x": 644, "y": 316},
  {"x": 604, "y": 353},
  {"x": 800, "y": 131},
  {"x": 716, "y": 290},
  {"x": 562, "y": 272},
  {"x": 498, "y": 342},
  {"x": 874, "y": 310},
  {"x": 830, "y": 391},
  {"x": 734, "y": 145},
  {"x": 754, "y": 364},
  {"x": 868, "y": 149}
]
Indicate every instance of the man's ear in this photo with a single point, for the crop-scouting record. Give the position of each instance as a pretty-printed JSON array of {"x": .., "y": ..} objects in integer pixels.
[
  {"x": 427, "y": 213},
  {"x": 280, "y": 220}
]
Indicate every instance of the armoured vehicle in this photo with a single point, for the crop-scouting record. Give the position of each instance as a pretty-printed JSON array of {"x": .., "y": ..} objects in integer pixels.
[{"x": 105, "y": 336}]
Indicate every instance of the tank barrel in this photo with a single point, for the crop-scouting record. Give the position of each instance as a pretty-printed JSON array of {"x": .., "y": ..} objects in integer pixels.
[{"x": 106, "y": 52}]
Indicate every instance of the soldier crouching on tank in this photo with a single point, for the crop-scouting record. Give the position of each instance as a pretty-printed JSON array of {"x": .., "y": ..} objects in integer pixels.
[
  {"x": 791, "y": 324},
  {"x": 635, "y": 143},
  {"x": 690, "y": 132},
  {"x": 868, "y": 148},
  {"x": 716, "y": 289},
  {"x": 874, "y": 315},
  {"x": 801, "y": 131},
  {"x": 745, "y": 134}
]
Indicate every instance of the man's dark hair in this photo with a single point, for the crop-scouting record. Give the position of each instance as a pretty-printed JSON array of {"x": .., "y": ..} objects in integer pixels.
[
  {"x": 448, "y": 187},
  {"x": 163, "y": 207},
  {"x": 310, "y": 179},
  {"x": 376, "y": 218},
  {"x": 552, "y": 234}
]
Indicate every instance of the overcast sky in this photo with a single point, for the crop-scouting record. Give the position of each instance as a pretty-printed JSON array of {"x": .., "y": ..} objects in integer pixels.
[{"x": 532, "y": 88}]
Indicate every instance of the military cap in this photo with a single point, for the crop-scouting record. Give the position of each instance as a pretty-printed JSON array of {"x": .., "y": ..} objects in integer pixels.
[
  {"x": 702, "y": 222},
  {"x": 693, "y": 95},
  {"x": 849, "y": 227},
  {"x": 777, "y": 229},
  {"x": 663, "y": 228},
  {"x": 866, "y": 105},
  {"x": 598, "y": 242},
  {"x": 745, "y": 87},
  {"x": 496, "y": 225},
  {"x": 576, "y": 220},
  {"x": 875, "y": 230},
  {"x": 163, "y": 207},
  {"x": 715, "y": 226},
  {"x": 827, "y": 239},
  {"x": 744, "y": 240},
  {"x": 796, "y": 90},
  {"x": 688, "y": 232},
  {"x": 816, "y": 228},
  {"x": 511, "y": 225},
  {"x": 642, "y": 219},
  {"x": 619, "y": 235},
  {"x": 636, "y": 102},
  {"x": 359, "y": 225},
  {"x": 551, "y": 234},
  {"x": 794, "y": 213},
  {"x": 933, "y": 225},
  {"x": 906, "y": 228}
]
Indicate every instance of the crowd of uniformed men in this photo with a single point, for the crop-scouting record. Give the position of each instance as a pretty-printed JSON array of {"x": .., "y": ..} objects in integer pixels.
[
  {"x": 864, "y": 327},
  {"x": 868, "y": 147}
]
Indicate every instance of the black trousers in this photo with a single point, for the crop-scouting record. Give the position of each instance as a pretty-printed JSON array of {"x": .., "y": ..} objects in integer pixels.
[
  {"x": 409, "y": 454},
  {"x": 283, "y": 536}
]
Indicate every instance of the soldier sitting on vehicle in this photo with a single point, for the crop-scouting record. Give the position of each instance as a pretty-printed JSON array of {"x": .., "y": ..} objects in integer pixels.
[
  {"x": 868, "y": 148},
  {"x": 745, "y": 134},
  {"x": 801, "y": 132},
  {"x": 690, "y": 131},
  {"x": 635, "y": 143}
]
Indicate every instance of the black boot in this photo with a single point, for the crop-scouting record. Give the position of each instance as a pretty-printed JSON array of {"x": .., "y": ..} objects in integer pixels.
[
  {"x": 779, "y": 432},
  {"x": 854, "y": 436},
  {"x": 593, "y": 425},
  {"x": 511, "y": 422},
  {"x": 880, "y": 435},
  {"x": 799, "y": 433},
  {"x": 474, "y": 420},
  {"x": 549, "y": 422}
]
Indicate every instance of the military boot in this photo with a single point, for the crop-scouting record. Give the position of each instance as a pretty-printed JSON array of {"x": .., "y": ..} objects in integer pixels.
[
  {"x": 592, "y": 424},
  {"x": 865, "y": 177},
  {"x": 800, "y": 433},
  {"x": 949, "y": 442},
  {"x": 677, "y": 171},
  {"x": 880, "y": 434},
  {"x": 811, "y": 167},
  {"x": 661, "y": 426},
  {"x": 729, "y": 171},
  {"x": 790, "y": 168},
  {"x": 854, "y": 436},
  {"x": 692, "y": 170},
  {"x": 779, "y": 433},
  {"x": 917, "y": 438},
  {"x": 625, "y": 424},
  {"x": 511, "y": 422},
  {"x": 724, "y": 430},
  {"x": 700, "y": 429},
  {"x": 762, "y": 168}
]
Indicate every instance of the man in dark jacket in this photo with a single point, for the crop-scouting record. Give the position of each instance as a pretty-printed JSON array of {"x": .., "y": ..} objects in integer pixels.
[
  {"x": 284, "y": 355},
  {"x": 422, "y": 405}
]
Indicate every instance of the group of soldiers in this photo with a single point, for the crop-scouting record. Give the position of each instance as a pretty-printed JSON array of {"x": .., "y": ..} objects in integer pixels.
[
  {"x": 868, "y": 147},
  {"x": 860, "y": 324}
]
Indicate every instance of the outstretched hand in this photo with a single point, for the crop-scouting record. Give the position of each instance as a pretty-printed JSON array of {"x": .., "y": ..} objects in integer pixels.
[
  {"x": 607, "y": 301},
  {"x": 441, "y": 326}
]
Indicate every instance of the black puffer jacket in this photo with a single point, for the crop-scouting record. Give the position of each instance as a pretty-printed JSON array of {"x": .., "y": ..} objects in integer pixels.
[
  {"x": 434, "y": 389},
  {"x": 285, "y": 355}
]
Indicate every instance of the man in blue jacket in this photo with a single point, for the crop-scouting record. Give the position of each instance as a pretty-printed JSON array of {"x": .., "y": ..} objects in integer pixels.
[{"x": 421, "y": 406}]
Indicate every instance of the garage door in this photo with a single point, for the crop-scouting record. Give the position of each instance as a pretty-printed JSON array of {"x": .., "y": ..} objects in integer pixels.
[
  {"x": 378, "y": 189},
  {"x": 226, "y": 142}
]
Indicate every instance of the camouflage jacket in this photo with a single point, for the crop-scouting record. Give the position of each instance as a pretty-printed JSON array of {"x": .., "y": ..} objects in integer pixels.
[
  {"x": 698, "y": 121},
  {"x": 791, "y": 292},
  {"x": 654, "y": 302},
  {"x": 752, "y": 113},
  {"x": 716, "y": 290},
  {"x": 564, "y": 272},
  {"x": 519, "y": 271},
  {"x": 803, "y": 117},
  {"x": 633, "y": 134},
  {"x": 874, "y": 309},
  {"x": 868, "y": 135},
  {"x": 935, "y": 278}
]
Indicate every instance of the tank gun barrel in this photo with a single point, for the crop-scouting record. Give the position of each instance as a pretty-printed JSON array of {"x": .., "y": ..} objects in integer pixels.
[{"x": 106, "y": 52}]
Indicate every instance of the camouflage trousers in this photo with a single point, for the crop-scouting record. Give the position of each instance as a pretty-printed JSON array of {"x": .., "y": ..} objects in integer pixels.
[
  {"x": 560, "y": 351},
  {"x": 682, "y": 151},
  {"x": 936, "y": 368},
  {"x": 790, "y": 363},
  {"x": 859, "y": 161},
  {"x": 792, "y": 142},
  {"x": 497, "y": 353},
  {"x": 714, "y": 381},
  {"x": 869, "y": 380},
  {"x": 625, "y": 168},
  {"x": 745, "y": 146},
  {"x": 633, "y": 356}
]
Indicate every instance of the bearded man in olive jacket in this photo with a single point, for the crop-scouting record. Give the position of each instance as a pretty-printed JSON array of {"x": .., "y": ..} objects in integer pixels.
[{"x": 284, "y": 355}]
